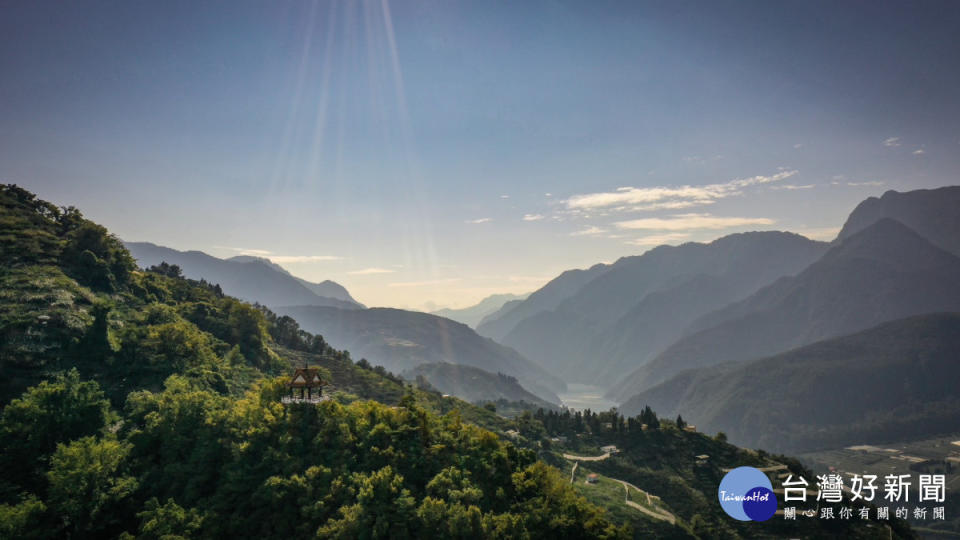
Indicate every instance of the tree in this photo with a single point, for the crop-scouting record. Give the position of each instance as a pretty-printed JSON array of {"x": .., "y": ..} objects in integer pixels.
[
  {"x": 24, "y": 520},
  {"x": 96, "y": 257},
  {"x": 95, "y": 344},
  {"x": 49, "y": 413},
  {"x": 87, "y": 487},
  {"x": 648, "y": 417},
  {"x": 680, "y": 423},
  {"x": 383, "y": 509},
  {"x": 168, "y": 521},
  {"x": 165, "y": 269}
]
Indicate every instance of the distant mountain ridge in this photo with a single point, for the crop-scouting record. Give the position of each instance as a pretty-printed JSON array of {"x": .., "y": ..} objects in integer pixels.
[
  {"x": 882, "y": 273},
  {"x": 632, "y": 309},
  {"x": 400, "y": 340},
  {"x": 471, "y": 316},
  {"x": 325, "y": 288},
  {"x": 250, "y": 278},
  {"x": 932, "y": 213},
  {"x": 475, "y": 384},
  {"x": 500, "y": 323},
  {"x": 894, "y": 381}
]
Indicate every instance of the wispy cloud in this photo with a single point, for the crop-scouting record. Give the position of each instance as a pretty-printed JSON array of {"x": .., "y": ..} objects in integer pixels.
[
  {"x": 479, "y": 220},
  {"x": 798, "y": 146},
  {"x": 533, "y": 217},
  {"x": 371, "y": 271},
  {"x": 892, "y": 141},
  {"x": 919, "y": 152},
  {"x": 246, "y": 251},
  {"x": 792, "y": 187},
  {"x": 504, "y": 196},
  {"x": 589, "y": 231},
  {"x": 671, "y": 205},
  {"x": 870, "y": 183},
  {"x": 658, "y": 239},
  {"x": 686, "y": 222},
  {"x": 423, "y": 283},
  {"x": 280, "y": 259},
  {"x": 655, "y": 198}
]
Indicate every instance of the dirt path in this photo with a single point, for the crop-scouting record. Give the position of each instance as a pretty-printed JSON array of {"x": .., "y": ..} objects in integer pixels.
[
  {"x": 662, "y": 515},
  {"x": 586, "y": 458}
]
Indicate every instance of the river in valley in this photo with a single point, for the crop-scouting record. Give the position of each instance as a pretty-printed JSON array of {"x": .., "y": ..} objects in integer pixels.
[{"x": 586, "y": 396}]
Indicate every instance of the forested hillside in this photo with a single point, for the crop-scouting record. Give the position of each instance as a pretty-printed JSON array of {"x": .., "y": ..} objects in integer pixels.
[
  {"x": 894, "y": 382},
  {"x": 400, "y": 340},
  {"x": 474, "y": 384}
]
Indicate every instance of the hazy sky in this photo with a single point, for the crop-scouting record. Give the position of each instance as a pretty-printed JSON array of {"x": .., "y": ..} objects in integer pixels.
[{"x": 440, "y": 151}]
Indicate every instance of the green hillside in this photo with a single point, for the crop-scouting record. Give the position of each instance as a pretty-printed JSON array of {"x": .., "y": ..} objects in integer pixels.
[
  {"x": 474, "y": 384},
  {"x": 399, "y": 340},
  {"x": 893, "y": 382}
]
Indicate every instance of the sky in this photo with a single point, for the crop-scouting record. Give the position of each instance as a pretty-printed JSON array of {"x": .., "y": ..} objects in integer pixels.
[{"x": 429, "y": 153}]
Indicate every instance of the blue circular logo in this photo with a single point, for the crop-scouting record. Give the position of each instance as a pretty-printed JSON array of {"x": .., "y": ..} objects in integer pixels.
[{"x": 746, "y": 494}]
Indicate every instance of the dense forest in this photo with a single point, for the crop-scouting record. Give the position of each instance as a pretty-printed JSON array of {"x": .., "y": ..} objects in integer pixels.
[{"x": 138, "y": 403}]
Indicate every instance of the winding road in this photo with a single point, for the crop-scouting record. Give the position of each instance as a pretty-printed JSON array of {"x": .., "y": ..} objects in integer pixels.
[{"x": 662, "y": 515}]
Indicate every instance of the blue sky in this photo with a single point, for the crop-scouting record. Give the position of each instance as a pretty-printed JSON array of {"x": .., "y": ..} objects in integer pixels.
[{"x": 434, "y": 152}]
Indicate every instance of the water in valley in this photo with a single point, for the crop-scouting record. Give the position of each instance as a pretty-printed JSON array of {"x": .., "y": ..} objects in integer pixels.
[{"x": 586, "y": 396}]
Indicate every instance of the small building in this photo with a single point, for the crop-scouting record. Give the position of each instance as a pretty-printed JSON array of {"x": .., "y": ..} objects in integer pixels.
[
  {"x": 512, "y": 433},
  {"x": 305, "y": 386},
  {"x": 702, "y": 459},
  {"x": 559, "y": 439},
  {"x": 611, "y": 449},
  {"x": 592, "y": 478},
  {"x": 691, "y": 428}
]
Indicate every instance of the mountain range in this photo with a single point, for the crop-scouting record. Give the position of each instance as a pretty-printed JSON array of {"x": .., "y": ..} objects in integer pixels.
[
  {"x": 396, "y": 339},
  {"x": 623, "y": 314},
  {"x": 892, "y": 382},
  {"x": 474, "y": 384},
  {"x": 471, "y": 316},
  {"x": 249, "y": 278},
  {"x": 401, "y": 340},
  {"x": 498, "y": 324},
  {"x": 883, "y": 272},
  {"x": 932, "y": 213}
]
